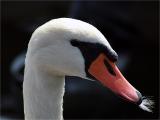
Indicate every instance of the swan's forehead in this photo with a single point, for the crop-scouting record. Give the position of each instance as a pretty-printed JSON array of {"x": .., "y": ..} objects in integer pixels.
[
  {"x": 60, "y": 32},
  {"x": 74, "y": 29}
]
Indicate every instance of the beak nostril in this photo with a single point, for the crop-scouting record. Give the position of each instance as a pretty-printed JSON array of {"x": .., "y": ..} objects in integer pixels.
[{"x": 109, "y": 67}]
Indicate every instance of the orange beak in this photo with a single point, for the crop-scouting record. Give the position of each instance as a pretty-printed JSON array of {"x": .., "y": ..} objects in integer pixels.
[{"x": 109, "y": 75}]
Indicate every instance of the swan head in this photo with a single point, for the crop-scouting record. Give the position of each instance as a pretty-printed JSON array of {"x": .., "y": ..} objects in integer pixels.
[
  {"x": 63, "y": 46},
  {"x": 71, "y": 47}
]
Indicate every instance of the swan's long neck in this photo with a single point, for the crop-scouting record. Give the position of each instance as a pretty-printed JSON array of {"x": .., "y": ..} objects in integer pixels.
[{"x": 43, "y": 94}]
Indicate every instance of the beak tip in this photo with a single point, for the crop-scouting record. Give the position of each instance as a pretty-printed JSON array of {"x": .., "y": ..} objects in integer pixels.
[{"x": 139, "y": 98}]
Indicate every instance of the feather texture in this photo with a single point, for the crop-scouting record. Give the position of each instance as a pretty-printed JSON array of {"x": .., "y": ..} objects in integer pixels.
[{"x": 147, "y": 104}]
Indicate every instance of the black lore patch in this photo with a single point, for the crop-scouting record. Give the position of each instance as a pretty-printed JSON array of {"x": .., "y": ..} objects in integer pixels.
[{"x": 90, "y": 52}]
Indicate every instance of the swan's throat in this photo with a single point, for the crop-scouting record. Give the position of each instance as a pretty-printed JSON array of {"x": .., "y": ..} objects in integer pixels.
[{"x": 43, "y": 95}]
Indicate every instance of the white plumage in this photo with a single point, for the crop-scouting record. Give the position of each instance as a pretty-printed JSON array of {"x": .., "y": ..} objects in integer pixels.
[{"x": 49, "y": 58}]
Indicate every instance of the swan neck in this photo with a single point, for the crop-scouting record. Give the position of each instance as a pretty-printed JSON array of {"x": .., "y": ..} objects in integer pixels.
[{"x": 43, "y": 95}]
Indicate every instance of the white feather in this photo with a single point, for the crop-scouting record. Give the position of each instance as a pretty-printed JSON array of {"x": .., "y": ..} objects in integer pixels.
[{"x": 147, "y": 104}]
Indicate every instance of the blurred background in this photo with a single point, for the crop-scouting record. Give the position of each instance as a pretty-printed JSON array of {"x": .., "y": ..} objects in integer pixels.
[{"x": 130, "y": 27}]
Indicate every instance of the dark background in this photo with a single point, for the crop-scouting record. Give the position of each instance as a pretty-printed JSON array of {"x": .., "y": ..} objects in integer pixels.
[{"x": 130, "y": 27}]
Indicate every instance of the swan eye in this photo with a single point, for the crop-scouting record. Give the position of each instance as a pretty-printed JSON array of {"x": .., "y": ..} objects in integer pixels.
[{"x": 95, "y": 48}]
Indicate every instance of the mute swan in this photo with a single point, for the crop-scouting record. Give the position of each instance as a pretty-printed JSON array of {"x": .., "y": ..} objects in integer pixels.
[{"x": 66, "y": 46}]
